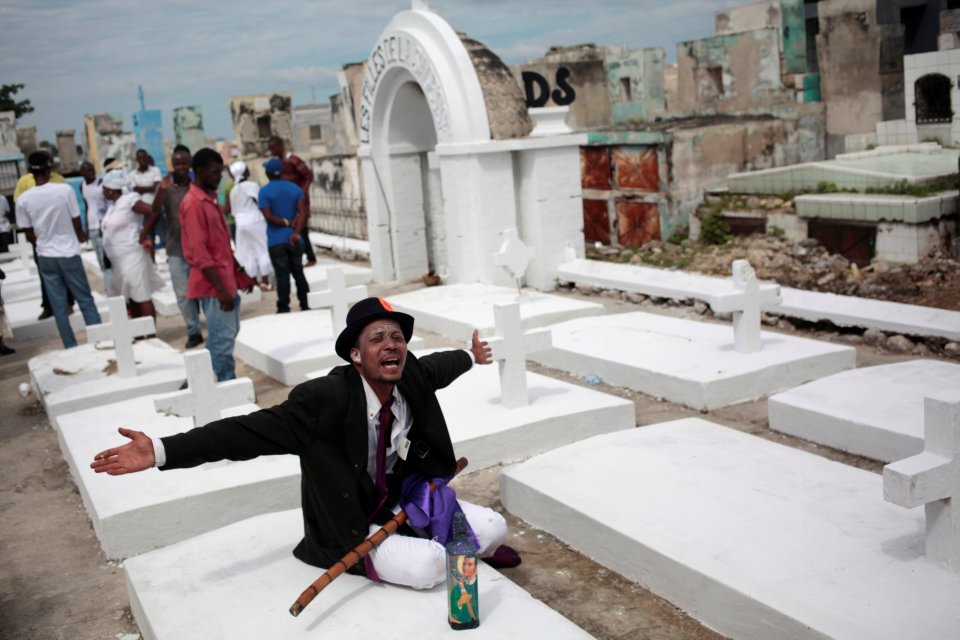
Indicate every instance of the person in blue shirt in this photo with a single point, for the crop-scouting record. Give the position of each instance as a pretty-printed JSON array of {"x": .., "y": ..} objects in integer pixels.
[{"x": 284, "y": 207}]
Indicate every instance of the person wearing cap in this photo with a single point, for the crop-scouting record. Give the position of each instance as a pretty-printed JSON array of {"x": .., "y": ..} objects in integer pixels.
[
  {"x": 24, "y": 184},
  {"x": 50, "y": 216},
  {"x": 166, "y": 210},
  {"x": 298, "y": 172},
  {"x": 351, "y": 476},
  {"x": 251, "y": 240},
  {"x": 284, "y": 208},
  {"x": 215, "y": 275}
]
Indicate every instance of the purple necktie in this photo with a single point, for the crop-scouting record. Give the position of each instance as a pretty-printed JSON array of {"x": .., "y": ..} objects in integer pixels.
[{"x": 385, "y": 418}]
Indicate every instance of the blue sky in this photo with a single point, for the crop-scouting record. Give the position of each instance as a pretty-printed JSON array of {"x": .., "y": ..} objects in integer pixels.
[{"x": 89, "y": 56}]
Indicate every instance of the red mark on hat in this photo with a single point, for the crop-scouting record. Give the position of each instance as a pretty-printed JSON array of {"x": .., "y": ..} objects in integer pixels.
[{"x": 385, "y": 304}]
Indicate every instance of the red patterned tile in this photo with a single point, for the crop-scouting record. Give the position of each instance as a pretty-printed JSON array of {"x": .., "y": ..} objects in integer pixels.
[{"x": 637, "y": 223}]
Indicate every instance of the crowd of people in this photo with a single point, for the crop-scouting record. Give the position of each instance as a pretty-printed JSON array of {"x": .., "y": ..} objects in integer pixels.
[{"x": 132, "y": 213}]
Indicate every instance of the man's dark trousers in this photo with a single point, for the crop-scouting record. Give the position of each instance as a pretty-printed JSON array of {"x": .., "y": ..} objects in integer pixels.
[{"x": 287, "y": 260}]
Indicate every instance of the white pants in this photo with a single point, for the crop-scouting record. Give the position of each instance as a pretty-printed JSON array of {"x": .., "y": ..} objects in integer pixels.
[{"x": 421, "y": 563}]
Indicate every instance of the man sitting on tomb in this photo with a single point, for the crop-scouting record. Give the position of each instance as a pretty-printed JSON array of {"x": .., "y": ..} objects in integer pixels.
[{"x": 360, "y": 432}]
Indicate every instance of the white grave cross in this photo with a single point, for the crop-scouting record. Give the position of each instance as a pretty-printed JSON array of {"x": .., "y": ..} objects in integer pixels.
[
  {"x": 205, "y": 398},
  {"x": 510, "y": 348},
  {"x": 122, "y": 330},
  {"x": 337, "y": 296},
  {"x": 932, "y": 478},
  {"x": 745, "y": 304},
  {"x": 514, "y": 255}
]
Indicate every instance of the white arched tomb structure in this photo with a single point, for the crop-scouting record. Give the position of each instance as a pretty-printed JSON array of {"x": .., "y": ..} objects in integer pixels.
[{"x": 439, "y": 190}]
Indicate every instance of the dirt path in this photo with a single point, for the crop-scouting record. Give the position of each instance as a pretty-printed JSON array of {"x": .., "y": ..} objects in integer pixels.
[{"x": 56, "y": 584}]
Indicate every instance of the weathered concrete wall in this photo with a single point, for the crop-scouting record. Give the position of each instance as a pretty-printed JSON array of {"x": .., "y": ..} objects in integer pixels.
[
  {"x": 670, "y": 88},
  {"x": 336, "y": 196},
  {"x": 702, "y": 158},
  {"x": 67, "y": 146},
  {"x": 105, "y": 138},
  {"x": 312, "y": 128},
  {"x": 635, "y": 83},
  {"x": 849, "y": 55},
  {"x": 27, "y": 140},
  {"x": 8, "y": 132},
  {"x": 949, "y": 37},
  {"x": 188, "y": 127},
  {"x": 736, "y": 73},
  {"x": 759, "y": 15},
  {"x": 258, "y": 117}
]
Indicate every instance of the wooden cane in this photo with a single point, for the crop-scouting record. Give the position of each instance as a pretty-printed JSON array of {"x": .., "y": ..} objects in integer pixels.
[{"x": 362, "y": 549}]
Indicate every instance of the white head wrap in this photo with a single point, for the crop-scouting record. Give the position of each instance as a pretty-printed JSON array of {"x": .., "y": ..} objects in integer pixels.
[
  {"x": 117, "y": 180},
  {"x": 237, "y": 169}
]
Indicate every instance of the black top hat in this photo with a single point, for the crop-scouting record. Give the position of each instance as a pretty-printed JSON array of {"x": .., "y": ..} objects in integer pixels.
[{"x": 362, "y": 314}]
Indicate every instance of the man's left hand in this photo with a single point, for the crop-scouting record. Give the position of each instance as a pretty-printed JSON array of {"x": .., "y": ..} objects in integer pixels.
[
  {"x": 294, "y": 238},
  {"x": 480, "y": 350}
]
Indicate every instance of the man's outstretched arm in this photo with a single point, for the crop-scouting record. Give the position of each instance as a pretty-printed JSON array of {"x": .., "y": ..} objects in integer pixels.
[{"x": 136, "y": 455}]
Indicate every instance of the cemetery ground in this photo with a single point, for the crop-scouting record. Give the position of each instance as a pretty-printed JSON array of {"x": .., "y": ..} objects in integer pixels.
[{"x": 56, "y": 582}]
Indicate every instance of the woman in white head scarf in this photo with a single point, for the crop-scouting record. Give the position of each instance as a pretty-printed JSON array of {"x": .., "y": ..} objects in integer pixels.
[
  {"x": 133, "y": 274},
  {"x": 251, "y": 253}
]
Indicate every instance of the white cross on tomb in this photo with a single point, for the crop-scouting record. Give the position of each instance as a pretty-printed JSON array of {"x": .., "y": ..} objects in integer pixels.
[
  {"x": 745, "y": 303},
  {"x": 205, "y": 398},
  {"x": 337, "y": 296},
  {"x": 514, "y": 255},
  {"x": 510, "y": 348},
  {"x": 122, "y": 330},
  {"x": 932, "y": 478}
]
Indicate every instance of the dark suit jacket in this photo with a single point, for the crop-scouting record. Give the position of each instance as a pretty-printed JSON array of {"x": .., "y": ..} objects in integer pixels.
[{"x": 324, "y": 422}]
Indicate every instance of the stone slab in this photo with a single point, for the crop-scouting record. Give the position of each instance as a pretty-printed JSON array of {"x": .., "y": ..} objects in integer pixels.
[
  {"x": 353, "y": 274},
  {"x": 70, "y": 380},
  {"x": 165, "y": 300},
  {"x": 23, "y": 290},
  {"x": 658, "y": 283},
  {"x": 22, "y": 317},
  {"x": 488, "y": 433},
  {"x": 456, "y": 310},
  {"x": 754, "y": 539},
  {"x": 689, "y": 362},
  {"x": 874, "y": 411},
  {"x": 239, "y": 582},
  {"x": 288, "y": 346},
  {"x": 843, "y": 311},
  {"x": 850, "y": 311},
  {"x": 340, "y": 243},
  {"x": 143, "y": 511}
]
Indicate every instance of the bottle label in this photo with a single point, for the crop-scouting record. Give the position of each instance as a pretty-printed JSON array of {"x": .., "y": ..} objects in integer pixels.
[{"x": 464, "y": 603}]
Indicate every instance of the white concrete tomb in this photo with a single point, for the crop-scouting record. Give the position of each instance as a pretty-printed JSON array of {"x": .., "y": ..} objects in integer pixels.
[
  {"x": 757, "y": 540},
  {"x": 871, "y": 411},
  {"x": 238, "y": 582},
  {"x": 685, "y": 361},
  {"x": 932, "y": 479},
  {"x": 137, "y": 512},
  {"x": 456, "y": 310},
  {"x": 122, "y": 330},
  {"x": 86, "y": 376},
  {"x": 288, "y": 346}
]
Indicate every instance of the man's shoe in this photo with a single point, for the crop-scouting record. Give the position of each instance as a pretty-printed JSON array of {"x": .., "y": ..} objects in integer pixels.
[
  {"x": 5, "y": 350},
  {"x": 311, "y": 263},
  {"x": 503, "y": 558},
  {"x": 47, "y": 313},
  {"x": 194, "y": 340},
  {"x": 283, "y": 310}
]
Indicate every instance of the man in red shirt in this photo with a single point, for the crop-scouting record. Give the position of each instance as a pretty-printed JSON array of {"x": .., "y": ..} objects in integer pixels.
[
  {"x": 215, "y": 274},
  {"x": 296, "y": 171}
]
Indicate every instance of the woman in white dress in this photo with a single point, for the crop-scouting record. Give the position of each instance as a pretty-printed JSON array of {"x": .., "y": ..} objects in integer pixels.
[
  {"x": 134, "y": 275},
  {"x": 252, "y": 253}
]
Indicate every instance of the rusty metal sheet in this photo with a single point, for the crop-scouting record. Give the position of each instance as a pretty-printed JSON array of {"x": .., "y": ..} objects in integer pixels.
[
  {"x": 596, "y": 221},
  {"x": 595, "y": 168},
  {"x": 636, "y": 168},
  {"x": 637, "y": 222},
  {"x": 854, "y": 241}
]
